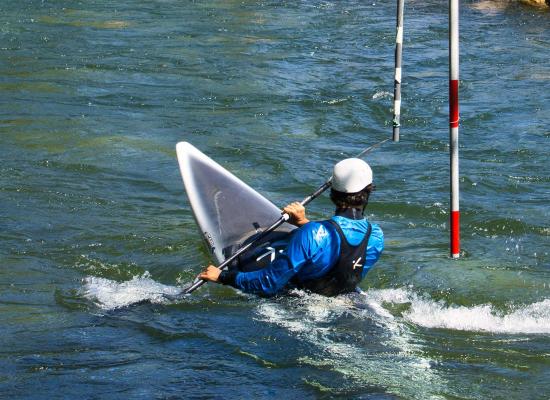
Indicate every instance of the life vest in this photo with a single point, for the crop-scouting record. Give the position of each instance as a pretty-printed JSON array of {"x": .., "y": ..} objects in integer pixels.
[{"x": 346, "y": 274}]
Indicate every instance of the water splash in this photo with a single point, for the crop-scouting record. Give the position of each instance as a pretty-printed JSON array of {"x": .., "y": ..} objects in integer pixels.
[
  {"x": 382, "y": 94},
  {"x": 313, "y": 319},
  {"x": 393, "y": 357},
  {"x": 109, "y": 295},
  {"x": 428, "y": 313}
]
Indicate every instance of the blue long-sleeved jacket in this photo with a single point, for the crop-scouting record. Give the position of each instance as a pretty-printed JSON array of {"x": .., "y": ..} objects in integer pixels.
[{"x": 313, "y": 249}]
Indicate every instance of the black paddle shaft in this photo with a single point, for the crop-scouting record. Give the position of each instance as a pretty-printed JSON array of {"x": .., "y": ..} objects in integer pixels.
[{"x": 320, "y": 190}]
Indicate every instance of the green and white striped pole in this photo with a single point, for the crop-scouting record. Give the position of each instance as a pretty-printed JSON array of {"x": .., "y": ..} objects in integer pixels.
[{"x": 397, "y": 79}]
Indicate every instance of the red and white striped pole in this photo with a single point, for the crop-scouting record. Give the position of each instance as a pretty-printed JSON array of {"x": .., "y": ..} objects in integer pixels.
[{"x": 453, "y": 125}]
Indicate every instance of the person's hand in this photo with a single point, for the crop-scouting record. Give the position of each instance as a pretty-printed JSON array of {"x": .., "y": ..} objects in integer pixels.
[
  {"x": 210, "y": 273},
  {"x": 297, "y": 214}
]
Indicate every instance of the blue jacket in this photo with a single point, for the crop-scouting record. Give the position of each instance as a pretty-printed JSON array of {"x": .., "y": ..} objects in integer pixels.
[{"x": 313, "y": 249}]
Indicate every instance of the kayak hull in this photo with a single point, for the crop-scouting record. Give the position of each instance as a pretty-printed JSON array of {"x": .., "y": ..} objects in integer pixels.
[{"x": 228, "y": 212}]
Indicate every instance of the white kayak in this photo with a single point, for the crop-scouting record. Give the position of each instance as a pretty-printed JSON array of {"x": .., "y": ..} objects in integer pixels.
[{"x": 227, "y": 210}]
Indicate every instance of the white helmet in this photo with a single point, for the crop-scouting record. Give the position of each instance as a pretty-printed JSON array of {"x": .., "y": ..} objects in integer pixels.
[{"x": 351, "y": 175}]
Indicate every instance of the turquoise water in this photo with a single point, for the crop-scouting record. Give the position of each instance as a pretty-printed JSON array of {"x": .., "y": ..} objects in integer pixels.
[{"x": 95, "y": 95}]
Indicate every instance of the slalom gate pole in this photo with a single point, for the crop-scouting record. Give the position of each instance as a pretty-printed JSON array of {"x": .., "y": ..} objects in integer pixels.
[
  {"x": 454, "y": 117},
  {"x": 397, "y": 79}
]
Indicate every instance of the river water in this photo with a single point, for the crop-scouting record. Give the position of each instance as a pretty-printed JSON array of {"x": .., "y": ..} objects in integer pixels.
[{"x": 95, "y": 95}]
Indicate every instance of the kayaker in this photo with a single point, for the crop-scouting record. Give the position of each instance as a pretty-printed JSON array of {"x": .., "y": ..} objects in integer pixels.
[{"x": 327, "y": 257}]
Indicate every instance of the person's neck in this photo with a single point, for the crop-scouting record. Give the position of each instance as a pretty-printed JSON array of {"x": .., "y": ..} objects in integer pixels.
[{"x": 350, "y": 212}]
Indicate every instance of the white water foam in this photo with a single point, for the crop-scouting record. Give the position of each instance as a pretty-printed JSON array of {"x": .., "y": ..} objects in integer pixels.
[
  {"x": 109, "y": 295},
  {"x": 402, "y": 367},
  {"x": 423, "y": 311},
  {"x": 382, "y": 94},
  {"x": 308, "y": 317}
]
